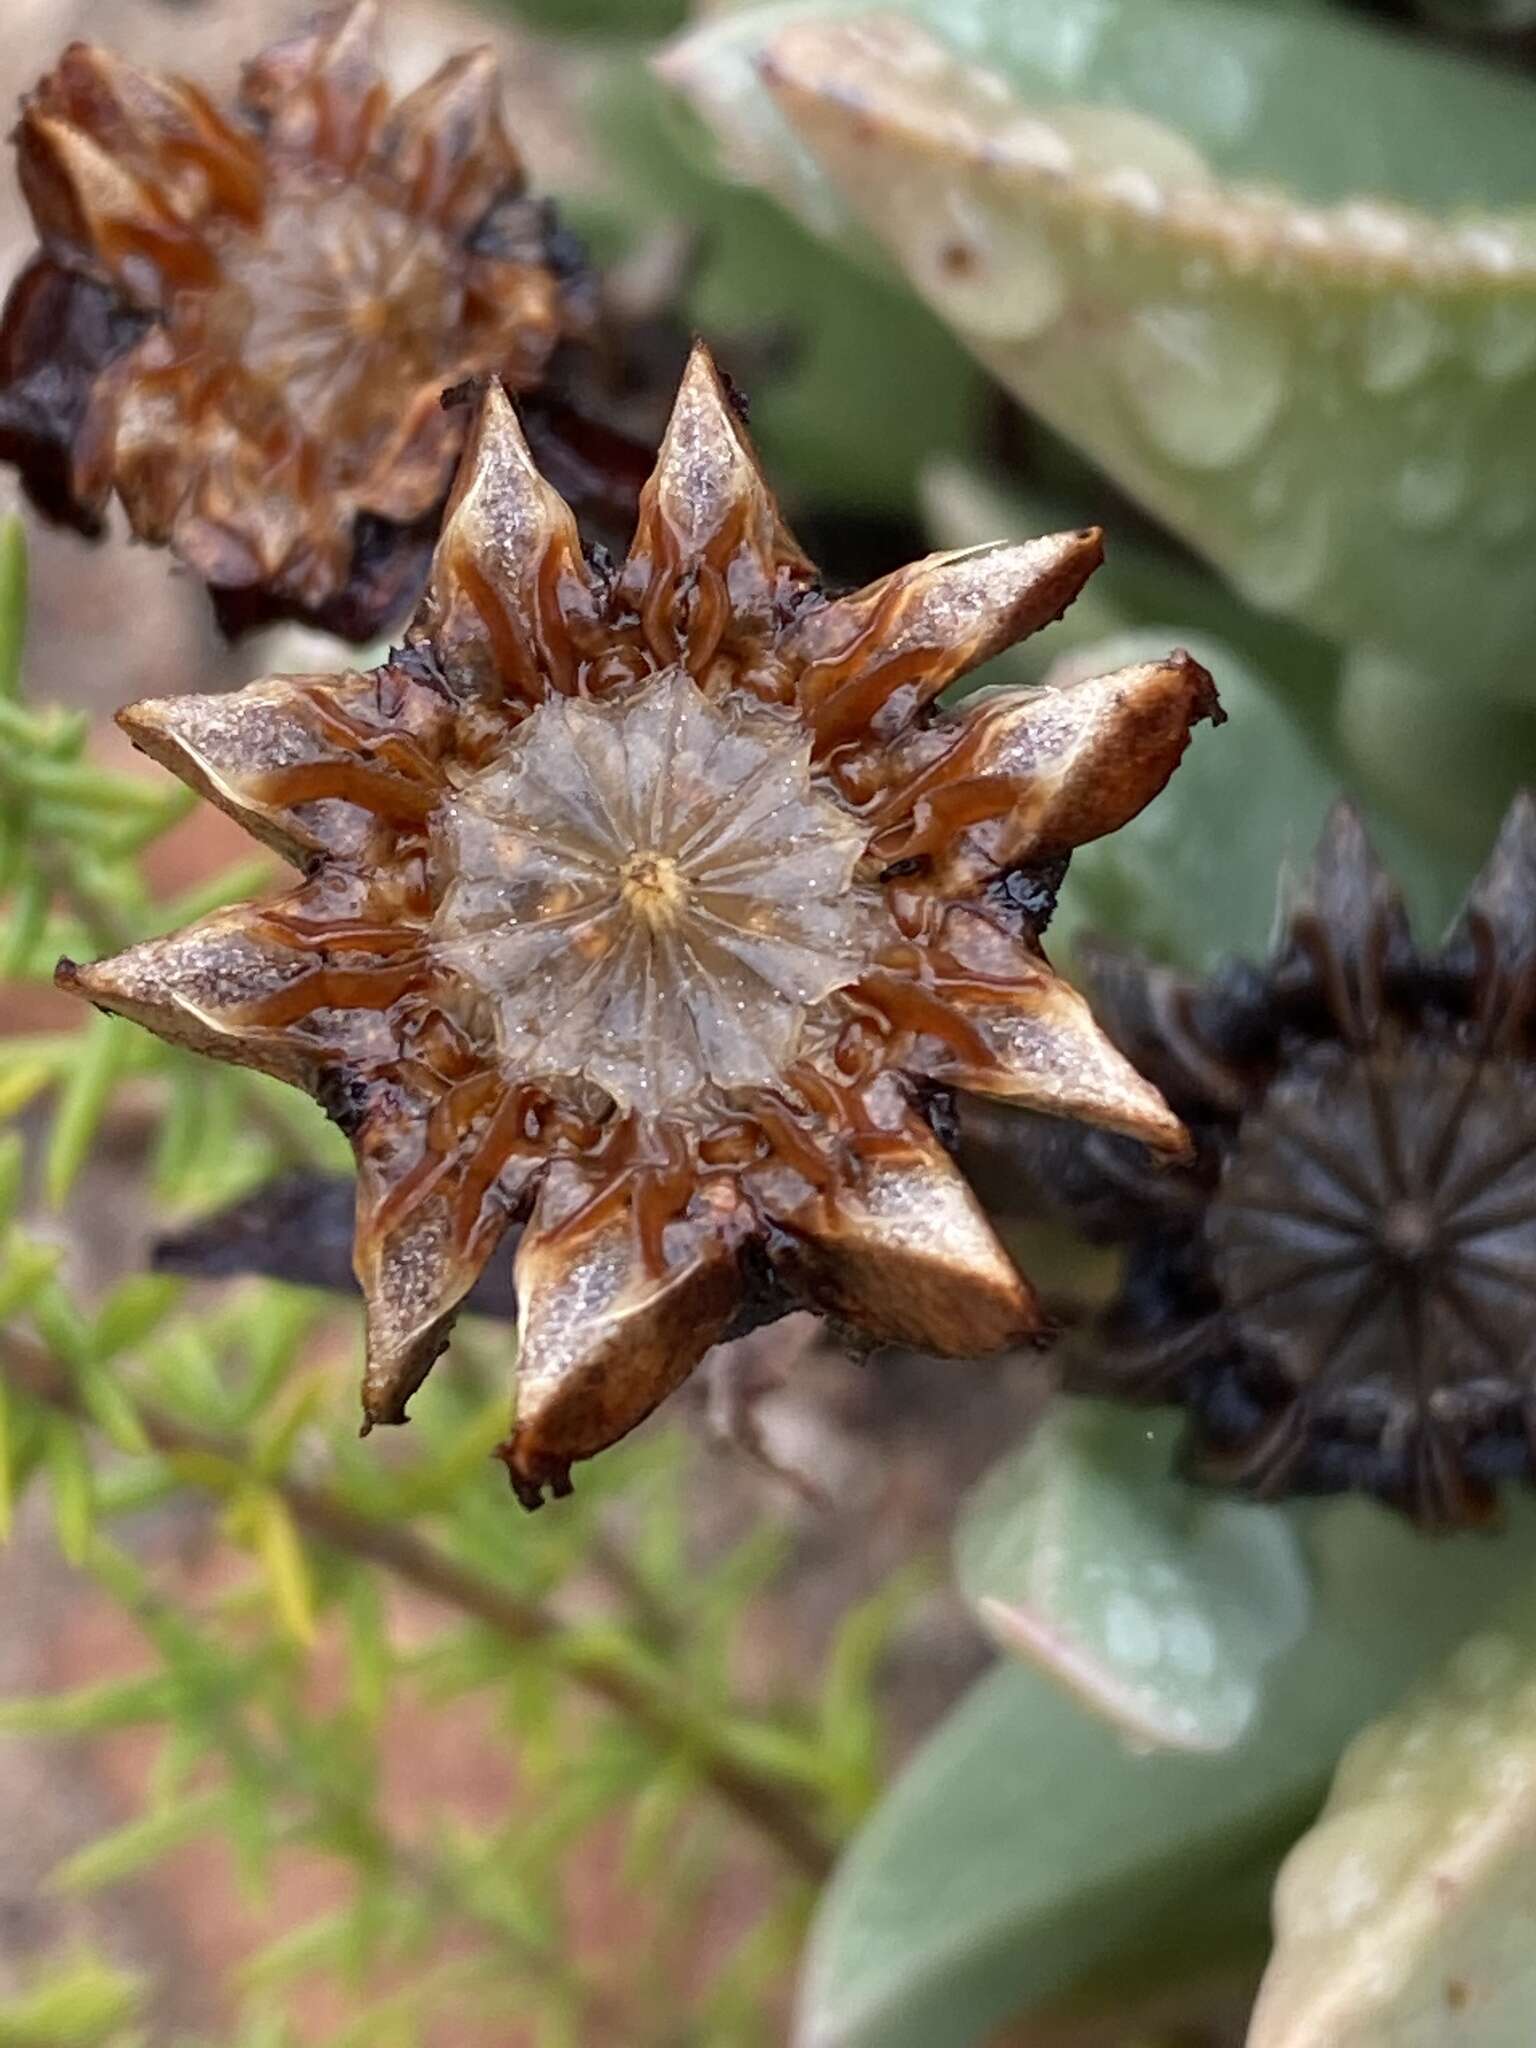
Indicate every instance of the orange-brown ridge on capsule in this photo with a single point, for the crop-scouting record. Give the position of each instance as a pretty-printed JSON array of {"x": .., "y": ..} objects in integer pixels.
[
  {"x": 243, "y": 319},
  {"x": 662, "y": 907}
]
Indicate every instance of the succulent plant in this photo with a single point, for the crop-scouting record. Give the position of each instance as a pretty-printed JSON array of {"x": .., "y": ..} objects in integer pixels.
[
  {"x": 661, "y": 906},
  {"x": 1341, "y": 1284},
  {"x": 243, "y": 319}
]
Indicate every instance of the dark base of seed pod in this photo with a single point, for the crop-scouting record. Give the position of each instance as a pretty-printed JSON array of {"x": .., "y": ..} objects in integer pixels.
[{"x": 58, "y": 332}]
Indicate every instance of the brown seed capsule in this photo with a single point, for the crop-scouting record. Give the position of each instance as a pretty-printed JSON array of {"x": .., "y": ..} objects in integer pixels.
[
  {"x": 1341, "y": 1287},
  {"x": 659, "y": 906},
  {"x": 242, "y": 320}
]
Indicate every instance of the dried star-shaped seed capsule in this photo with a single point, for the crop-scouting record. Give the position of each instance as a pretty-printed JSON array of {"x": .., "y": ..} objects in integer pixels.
[
  {"x": 1341, "y": 1287},
  {"x": 661, "y": 908},
  {"x": 242, "y": 321}
]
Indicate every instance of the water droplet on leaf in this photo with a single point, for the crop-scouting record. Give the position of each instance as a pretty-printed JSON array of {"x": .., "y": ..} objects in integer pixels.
[
  {"x": 1282, "y": 568},
  {"x": 1402, "y": 340},
  {"x": 1205, "y": 382},
  {"x": 1430, "y": 491},
  {"x": 1131, "y": 1633},
  {"x": 1504, "y": 342}
]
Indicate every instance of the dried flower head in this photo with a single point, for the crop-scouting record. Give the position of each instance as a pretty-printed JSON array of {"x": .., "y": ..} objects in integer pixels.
[
  {"x": 242, "y": 321},
  {"x": 1341, "y": 1286},
  {"x": 657, "y": 905}
]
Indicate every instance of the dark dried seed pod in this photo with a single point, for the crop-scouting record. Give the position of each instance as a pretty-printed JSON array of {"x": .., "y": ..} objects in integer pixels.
[
  {"x": 1341, "y": 1285},
  {"x": 242, "y": 319},
  {"x": 656, "y": 906}
]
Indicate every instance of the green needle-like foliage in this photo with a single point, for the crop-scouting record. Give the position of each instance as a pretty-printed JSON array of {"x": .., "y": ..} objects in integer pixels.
[{"x": 594, "y": 1640}]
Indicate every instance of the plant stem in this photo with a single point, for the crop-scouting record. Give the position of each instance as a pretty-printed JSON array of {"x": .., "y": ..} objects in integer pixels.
[
  {"x": 661, "y": 1626},
  {"x": 753, "y": 1796}
]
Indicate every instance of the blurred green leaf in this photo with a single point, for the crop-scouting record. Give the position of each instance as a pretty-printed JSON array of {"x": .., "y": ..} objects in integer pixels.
[
  {"x": 12, "y": 1170},
  {"x": 273, "y": 1323},
  {"x": 1437, "y": 755},
  {"x": 26, "y": 916},
  {"x": 231, "y": 885},
  {"x": 869, "y": 384},
  {"x": 81, "y": 2004},
  {"x": 1157, "y": 1607},
  {"x": 72, "y": 1485},
  {"x": 97, "y": 789},
  {"x": 111, "y": 1407},
  {"x": 21, "y": 1084},
  {"x": 136, "y": 1307},
  {"x": 90, "y": 1709},
  {"x": 130, "y": 1849},
  {"x": 305, "y": 1399},
  {"x": 613, "y": 18},
  {"x": 54, "y": 732},
  {"x": 1404, "y": 1918},
  {"x": 850, "y": 1726},
  {"x": 25, "y": 1272},
  {"x": 654, "y": 1818},
  {"x": 442, "y": 1474},
  {"x": 23, "y": 1448},
  {"x": 370, "y": 1657},
  {"x": 62, "y": 1325},
  {"x": 1338, "y": 407},
  {"x": 13, "y": 604},
  {"x": 1141, "y": 584},
  {"x": 1058, "y": 1846},
  {"x": 13, "y": 846},
  {"x": 1194, "y": 879},
  {"x": 1259, "y": 787},
  {"x": 317, "y": 1943},
  {"x": 104, "y": 1049},
  {"x": 261, "y": 1520},
  {"x": 8, "y": 1473}
]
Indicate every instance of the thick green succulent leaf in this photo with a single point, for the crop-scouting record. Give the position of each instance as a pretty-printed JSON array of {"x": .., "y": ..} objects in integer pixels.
[
  {"x": 1445, "y": 759},
  {"x": 1157, "y": 1607},
  {"x": 1406, "y": 1918},
  {"x": 1331, "y": 395},
  {"x": 1325, "y": 106},
  {"x": 1059, "y": 1847}
]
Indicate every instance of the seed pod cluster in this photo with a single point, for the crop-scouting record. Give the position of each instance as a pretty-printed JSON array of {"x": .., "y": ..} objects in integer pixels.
[
  {"x": 660, "y": 906},
  {"x": 242, "y": 319},
  {"x": 1340, "y": 1285}
]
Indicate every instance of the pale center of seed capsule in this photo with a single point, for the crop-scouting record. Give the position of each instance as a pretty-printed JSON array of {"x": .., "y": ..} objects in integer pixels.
[
  {"x": 651, "y": 892},
  {"x": 654, "y": 887},
  {"x": 340, "y": 304}
]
